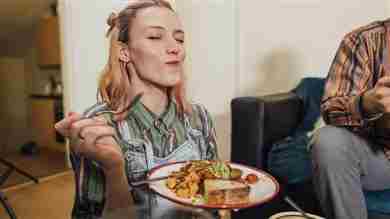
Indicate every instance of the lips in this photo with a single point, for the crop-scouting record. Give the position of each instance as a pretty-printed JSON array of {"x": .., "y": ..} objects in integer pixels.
[{"x": 173, "y": 62}]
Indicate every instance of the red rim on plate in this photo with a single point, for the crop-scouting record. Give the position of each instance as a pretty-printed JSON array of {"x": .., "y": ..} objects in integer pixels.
[{"x": 235, "y": 206}]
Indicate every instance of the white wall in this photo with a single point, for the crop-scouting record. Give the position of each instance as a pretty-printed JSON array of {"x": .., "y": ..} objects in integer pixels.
[
  {"x": 83, "y": 28},
  {"x": 283, "y": 40},
  {"x": 211, "y": 49},
  {"x": 84, "y": 50},
  {"x": 234, "y": 47},
  {"x": 388, "y": 8},
  {"x": 85, "y": 53}
]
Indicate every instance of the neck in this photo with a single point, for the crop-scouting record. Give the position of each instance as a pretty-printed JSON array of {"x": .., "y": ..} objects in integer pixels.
[{"x": 155, "y": 99}]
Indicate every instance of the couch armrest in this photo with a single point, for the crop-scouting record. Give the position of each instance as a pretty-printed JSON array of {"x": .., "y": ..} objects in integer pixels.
[{"x": 259, "y": 121}]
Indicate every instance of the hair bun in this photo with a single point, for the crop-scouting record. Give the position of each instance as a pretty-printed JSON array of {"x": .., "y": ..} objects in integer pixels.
[{"x": 112, "y": 19}]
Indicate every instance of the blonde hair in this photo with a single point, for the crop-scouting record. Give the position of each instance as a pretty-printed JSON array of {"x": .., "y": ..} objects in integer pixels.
[{"x": 115, "y": 81}]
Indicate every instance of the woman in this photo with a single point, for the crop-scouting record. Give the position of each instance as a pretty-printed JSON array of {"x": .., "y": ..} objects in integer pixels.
[{"x": 153, "y": 123}]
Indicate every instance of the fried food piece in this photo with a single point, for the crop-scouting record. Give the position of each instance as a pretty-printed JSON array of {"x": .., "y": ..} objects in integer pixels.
[
  {"x": 235, "y": 174},
  {"x": 192, "y": 177},
  {"x": 251, "y": 178},
  {"x": 183, "y": 193},
  {"x": 171, "y": 182},
  {"x": 194, "y": 188},
  {"x": 188, "y": 182},
  {"x": 220, "y": 191}
]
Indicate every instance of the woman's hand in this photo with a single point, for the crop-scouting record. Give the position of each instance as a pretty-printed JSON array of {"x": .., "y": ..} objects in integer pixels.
[{"x": 92, "y": 138}]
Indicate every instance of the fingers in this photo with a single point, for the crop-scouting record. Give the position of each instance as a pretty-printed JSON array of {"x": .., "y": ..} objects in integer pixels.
[
  {"x": 76, "y": 126},
  {"x": 384, "y": 81},
  {"x": 387, "y": 152},
  {"x": 382, "y": 96},
  {"x": 88, "y": 133},
  {"x": 109, "y": 139},
  {"x": 382, "y": 92},
  {"x": 223, "y": 213},
  {"x": 63, "y": 126},
  {"x": 386, "y": 104},
  {"x": 91, "y": 134},
  {"x": 105, "y": 151}
]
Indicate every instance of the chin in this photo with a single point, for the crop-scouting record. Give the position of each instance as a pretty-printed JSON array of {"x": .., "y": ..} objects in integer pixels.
[
  {"x": 170, "y": 83},
  {"x": 172, "y": 79}
]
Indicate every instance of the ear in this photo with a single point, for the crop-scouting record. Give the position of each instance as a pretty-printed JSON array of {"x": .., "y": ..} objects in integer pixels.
[{"x": 124, "y": 53}]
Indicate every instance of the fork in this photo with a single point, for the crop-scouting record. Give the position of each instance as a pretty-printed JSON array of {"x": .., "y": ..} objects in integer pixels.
[
  {"x": 112, "y": 112},
  {"x": 147, "y": 181},
  {"x": 296, "y": 207}
]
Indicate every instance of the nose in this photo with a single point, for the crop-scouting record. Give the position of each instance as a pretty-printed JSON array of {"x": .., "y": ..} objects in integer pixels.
[
  {"x": 173, "y": 50},
  {"x": 173, "y": 46}
]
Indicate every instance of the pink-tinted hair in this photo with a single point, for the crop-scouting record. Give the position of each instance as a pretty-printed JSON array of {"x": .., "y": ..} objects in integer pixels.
[{"x": 115, "y": 81}]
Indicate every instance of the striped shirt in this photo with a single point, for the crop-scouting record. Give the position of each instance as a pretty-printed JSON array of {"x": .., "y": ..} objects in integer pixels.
[
  {"x": 165, "y": 132},
  {"x": 357, "y": 66}
]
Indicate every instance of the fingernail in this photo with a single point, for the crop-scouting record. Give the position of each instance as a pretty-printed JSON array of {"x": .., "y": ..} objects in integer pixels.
[
  {"x": 72, "y": 125},
  {"x": 72, "y": 122}
]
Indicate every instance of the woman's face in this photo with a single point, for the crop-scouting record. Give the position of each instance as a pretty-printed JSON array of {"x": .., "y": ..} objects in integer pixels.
[{"x": 157, "y": 46}]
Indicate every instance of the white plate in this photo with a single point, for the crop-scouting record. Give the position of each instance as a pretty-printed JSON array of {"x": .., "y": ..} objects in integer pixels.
[
  {"x": 292, "y": 215},
  {"x": 262, "y": 191}
]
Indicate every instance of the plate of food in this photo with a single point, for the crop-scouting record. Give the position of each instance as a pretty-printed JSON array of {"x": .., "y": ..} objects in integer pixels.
[{"x": 213, "y": 184}]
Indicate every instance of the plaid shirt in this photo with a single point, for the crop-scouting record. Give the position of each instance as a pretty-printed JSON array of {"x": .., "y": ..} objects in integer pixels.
[
  {"x": 90, "y": 180},
  {"x": 357, "y": 66}
]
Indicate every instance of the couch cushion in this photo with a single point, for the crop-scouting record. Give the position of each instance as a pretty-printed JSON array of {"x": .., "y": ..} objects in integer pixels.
[
  {"x": 289, "y": 159},
  {"x": 378, "y": 201},
  {"x": 310, "y": 91}
]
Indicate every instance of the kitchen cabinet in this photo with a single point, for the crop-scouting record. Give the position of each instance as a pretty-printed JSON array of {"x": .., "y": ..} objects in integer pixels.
[
  {"x": 48, "y": 42},
  {"x": 43, "y": 118}
]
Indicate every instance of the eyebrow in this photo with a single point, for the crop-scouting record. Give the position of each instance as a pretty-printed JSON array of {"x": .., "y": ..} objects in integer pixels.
[{"x": 162, "y": 28}]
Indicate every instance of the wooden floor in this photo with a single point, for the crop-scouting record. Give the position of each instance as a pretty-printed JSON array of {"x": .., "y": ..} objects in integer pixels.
[
  {"x": 52, "y": 198},
  {"x": 45, "y": 163}
]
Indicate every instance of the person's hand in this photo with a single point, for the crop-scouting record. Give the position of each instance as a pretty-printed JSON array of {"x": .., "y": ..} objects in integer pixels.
[
  {"x": 223, "y": 213},
  {"x": 92, "y": 138},
  {"x": 63, "y": 126},
  {"x": 387, "y": 152},
  {"x": 377, "y": 100}
]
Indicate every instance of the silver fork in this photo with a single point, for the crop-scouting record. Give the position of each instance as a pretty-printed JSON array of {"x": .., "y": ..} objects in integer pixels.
[
  {"x": 112, "y": 112},
  {"x": 296, "y": 207}
]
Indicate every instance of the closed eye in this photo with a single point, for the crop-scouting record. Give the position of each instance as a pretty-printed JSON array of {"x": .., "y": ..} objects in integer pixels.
[{"x": 154, "y": 37}]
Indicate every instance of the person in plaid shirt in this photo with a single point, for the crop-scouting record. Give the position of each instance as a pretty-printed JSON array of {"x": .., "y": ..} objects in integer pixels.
[
  {"x": 151, "y": 123},
  {"x": 351, "y": 154}
]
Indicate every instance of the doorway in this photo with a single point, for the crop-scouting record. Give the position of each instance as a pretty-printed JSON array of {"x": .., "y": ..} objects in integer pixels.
[{"x": 30, "y": 91}]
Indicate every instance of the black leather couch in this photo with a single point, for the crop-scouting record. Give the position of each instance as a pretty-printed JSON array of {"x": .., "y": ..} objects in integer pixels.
[{"x": 257, "y": 122}]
